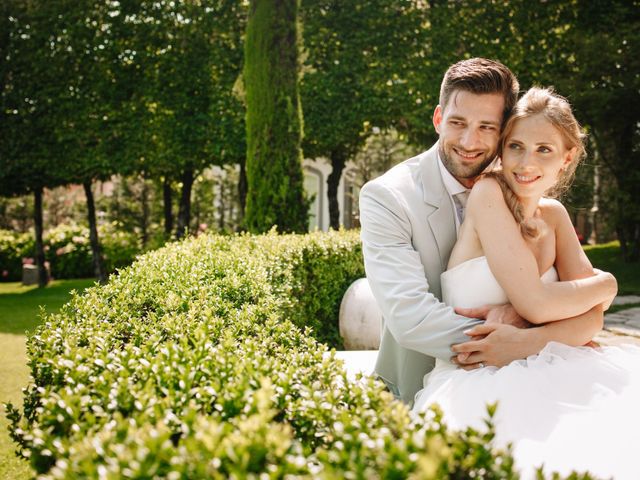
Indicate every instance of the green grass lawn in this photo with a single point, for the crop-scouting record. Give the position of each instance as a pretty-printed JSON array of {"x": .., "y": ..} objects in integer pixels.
[
  {"x": 19, "y": 313},
  {"x": 607, "y": 257}
]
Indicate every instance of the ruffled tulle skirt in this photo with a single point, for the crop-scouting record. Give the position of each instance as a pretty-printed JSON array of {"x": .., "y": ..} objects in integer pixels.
[{"x": 567, "y": 408}]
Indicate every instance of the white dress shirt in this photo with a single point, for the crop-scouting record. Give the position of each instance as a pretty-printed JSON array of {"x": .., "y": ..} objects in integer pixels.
[{"x": 453, "y": 187}]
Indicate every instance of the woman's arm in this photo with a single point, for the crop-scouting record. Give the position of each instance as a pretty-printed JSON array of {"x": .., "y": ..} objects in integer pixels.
[
  {"x": 571, "y": 261},
  {"x": 515, "y": 267}
]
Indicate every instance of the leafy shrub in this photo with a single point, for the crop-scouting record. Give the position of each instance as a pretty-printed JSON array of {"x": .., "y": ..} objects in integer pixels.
[
  {"x": 68, "y": 251},
  {"x": 13, "y": 248},
  {"x": 193, "y": 363}
]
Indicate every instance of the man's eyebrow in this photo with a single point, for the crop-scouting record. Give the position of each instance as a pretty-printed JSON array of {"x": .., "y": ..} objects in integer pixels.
[{"x": 489, "y": 122}]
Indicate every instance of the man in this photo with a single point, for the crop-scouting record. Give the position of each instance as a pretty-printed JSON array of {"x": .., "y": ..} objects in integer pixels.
[{"x": 410, "y": 217}]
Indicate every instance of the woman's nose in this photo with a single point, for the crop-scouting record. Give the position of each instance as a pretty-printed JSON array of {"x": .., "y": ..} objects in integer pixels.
[{"x": 526, "y": 159}]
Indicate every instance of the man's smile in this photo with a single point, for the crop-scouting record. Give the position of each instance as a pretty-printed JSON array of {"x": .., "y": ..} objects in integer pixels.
[{"x": 467, "y": 155}]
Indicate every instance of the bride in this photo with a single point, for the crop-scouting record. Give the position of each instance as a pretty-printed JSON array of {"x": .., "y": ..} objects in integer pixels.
[{"x": 567, "y": 408}]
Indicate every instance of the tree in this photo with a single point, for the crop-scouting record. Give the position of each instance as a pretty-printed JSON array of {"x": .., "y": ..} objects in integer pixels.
[
  {"x": 274, "y": 119},
  {"x": 585, "y": 49},
  {"x": 601, "y": 74},
  {"x": 358, "y": 56},
  {"x": 30, "y": 155},
  {"x": 190, "y": 54}
]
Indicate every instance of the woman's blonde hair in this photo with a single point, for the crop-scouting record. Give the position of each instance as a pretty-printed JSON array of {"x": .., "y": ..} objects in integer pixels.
[{"x": 557, "y": 110}]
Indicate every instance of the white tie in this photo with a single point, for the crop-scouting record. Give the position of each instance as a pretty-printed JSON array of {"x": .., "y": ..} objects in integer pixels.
[{"x": 460, "y": 199}]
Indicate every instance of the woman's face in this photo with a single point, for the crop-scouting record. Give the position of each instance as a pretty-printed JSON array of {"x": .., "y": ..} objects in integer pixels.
[{"x": 533, "y": 156}]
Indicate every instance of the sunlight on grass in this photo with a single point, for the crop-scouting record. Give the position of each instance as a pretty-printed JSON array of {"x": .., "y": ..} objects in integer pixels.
[
  {"x": 19, "y": 312},
  {"x": 607, "y": 257}
]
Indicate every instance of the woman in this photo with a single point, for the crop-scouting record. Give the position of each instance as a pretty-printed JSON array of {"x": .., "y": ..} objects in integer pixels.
[{"x": 568, "y": 407}]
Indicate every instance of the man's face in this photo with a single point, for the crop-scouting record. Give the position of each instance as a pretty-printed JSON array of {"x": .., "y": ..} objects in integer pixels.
[{"x": 469, "y": 128}]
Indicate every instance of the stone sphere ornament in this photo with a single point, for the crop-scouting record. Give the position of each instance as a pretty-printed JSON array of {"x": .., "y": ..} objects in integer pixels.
[{"x": 360, "y": 317}]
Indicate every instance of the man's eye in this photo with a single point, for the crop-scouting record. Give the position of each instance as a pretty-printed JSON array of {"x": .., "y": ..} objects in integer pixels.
[{"x": 488, "y": 128}]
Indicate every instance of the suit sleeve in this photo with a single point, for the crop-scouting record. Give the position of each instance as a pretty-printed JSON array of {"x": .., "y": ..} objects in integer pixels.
[{"x": 414, "y": 316}]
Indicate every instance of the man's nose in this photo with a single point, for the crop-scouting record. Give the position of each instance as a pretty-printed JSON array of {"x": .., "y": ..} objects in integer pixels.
[{"x": 469, "y": 139}]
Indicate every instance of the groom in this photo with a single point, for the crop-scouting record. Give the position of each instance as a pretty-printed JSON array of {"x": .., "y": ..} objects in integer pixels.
[{"x": 410, "y": 217}]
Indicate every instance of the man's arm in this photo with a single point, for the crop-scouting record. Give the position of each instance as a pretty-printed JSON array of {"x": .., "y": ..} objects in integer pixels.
[
  {"x": 500, "y": 344},
  {"x": 414, "y": 316}
]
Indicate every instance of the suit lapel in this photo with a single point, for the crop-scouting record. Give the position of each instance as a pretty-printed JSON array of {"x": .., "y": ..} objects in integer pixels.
[{"x": 440, "y": 218}]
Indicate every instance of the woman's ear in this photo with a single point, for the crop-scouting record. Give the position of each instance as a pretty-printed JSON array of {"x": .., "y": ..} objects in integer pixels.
[
  {"x": 437, "y": 118},
  {"x": 569, "y": 157}
]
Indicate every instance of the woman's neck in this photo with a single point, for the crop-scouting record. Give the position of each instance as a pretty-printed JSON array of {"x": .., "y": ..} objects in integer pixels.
[{"x": 529, "y": 206}]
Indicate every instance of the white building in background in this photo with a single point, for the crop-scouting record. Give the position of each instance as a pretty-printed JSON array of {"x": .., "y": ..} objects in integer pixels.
[{"x": 316, "y": 172}]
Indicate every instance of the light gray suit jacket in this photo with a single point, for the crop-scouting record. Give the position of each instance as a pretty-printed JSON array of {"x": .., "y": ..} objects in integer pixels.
[{"x": 408, "y": 232}]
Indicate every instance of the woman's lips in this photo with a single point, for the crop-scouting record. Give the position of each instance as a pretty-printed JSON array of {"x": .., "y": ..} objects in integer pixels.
[{"x": 525, "y": 179}]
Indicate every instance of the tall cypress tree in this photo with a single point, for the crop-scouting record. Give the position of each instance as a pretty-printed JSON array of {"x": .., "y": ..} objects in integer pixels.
[{"x": 275, "y": 193}]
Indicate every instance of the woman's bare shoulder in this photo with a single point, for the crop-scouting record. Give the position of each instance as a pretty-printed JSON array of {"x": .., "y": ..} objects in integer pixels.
[
  {"x": 487, "y": 189},
  {"x": 487, "y": 185},
  {"x": 553, "y": 211}
]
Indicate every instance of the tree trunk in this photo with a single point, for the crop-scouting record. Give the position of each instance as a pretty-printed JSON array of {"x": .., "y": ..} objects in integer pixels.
[
  {"x": 144, "y": 223},
  {"x": 98, "y": 262},
  {"x": 167, "y": 197},
  {"x": 43, "y": 276},
  {"x": 184, "y": 212},
  {"x": 222, "y": 203},
  {"x": 337, "y": 163},
  {"x": 242, "y": 191}
]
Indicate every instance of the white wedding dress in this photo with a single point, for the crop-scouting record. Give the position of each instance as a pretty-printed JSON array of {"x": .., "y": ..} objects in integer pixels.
[{"x": 567, "y": 408}]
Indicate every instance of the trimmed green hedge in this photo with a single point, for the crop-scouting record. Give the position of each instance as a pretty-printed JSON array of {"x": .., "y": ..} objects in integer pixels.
[
  {"x": 196, "y": 362},
  {"x": 68, "y": 251}
]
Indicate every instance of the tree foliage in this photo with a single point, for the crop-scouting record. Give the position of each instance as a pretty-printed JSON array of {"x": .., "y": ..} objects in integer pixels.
[
  {"x": 91, "y": 88},
  {"x": 583, "y": 48},
  {"x": 357, "y": 58},
  {"x": 191, "y": 53}
]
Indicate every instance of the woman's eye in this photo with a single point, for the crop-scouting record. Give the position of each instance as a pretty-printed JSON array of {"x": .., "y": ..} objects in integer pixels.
[
  {"x": 544, "y": 149},
  {"x": 514, "y": 146}
]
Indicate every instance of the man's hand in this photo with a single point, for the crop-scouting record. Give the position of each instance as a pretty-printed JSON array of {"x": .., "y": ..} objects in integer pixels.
[
  {"x": 494, "y": 344},
  {"x": 503, "y": 314}
]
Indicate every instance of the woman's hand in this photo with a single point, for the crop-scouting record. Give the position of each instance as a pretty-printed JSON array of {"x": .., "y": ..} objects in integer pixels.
[{"x": 496, "y": 314}]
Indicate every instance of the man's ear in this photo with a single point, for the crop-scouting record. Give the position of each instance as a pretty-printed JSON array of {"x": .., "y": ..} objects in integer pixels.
[{"x": 437, "y": 118}]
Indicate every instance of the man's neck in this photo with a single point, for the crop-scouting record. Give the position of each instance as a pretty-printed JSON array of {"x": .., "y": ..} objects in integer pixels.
[{"x": 466, "y": 182}]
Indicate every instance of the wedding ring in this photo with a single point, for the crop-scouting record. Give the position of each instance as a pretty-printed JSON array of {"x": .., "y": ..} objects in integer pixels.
[{"x": 481, "y": 365}]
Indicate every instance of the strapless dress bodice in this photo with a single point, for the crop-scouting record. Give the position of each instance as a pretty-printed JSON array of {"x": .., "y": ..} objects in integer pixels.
[{"x": 472, "y": 284}]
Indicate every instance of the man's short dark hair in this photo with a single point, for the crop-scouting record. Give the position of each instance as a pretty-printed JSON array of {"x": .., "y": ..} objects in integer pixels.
[{"x": 480, "y": 75}]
